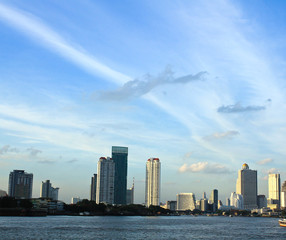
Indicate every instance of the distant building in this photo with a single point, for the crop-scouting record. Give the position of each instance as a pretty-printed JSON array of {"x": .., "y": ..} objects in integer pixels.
[
  {"x": 204, "y": 205},
  {"x": 261, "y": 201},
  {"x": 153, "y": 178},
  {"x": 130, "y": 195},
  {"x": 246, "y": 185},
  {"x": 75, "y": 200},
  {"x": 47, "y": 191},
  {"x": 236, "y": 200},
  {"x": 219, "y": 204},
  {"x": 214, "y": 199},
  {"x": 274, "y": 187},
  {"x": 2, "y": 193},
  {"x": 105, "y": 181},
  {"x": 20, "y": 184},
  {"x": 283, "y": 195},
  {"x": 227, "y": 202},
  {"x": 93, "y": 188},
  {"x": 171, "y": 205},
  {"x": 119, "y": 156},
  {"x": 186, "y": 201}
]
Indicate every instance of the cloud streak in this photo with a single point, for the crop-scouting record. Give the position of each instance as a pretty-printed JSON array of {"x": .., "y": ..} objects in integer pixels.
[
  {"x": 265, "y": 161},
  {"x": 221, "y": 135},
  {"x": 42, "y": 34},
  {"x": 204, "y": 167},
  {"x": 237, "y": 108},
  {"x": 139, "y": 87}
]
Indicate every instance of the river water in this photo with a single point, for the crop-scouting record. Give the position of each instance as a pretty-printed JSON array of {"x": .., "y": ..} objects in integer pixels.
[{"x": 172, "y": 227}]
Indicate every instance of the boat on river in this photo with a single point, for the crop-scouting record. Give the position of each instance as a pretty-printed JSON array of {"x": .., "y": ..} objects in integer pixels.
[{"x": 282, "y": 222}]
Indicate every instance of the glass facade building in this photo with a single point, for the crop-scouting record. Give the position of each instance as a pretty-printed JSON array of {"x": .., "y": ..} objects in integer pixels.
[{"x": 119, "y": 156}]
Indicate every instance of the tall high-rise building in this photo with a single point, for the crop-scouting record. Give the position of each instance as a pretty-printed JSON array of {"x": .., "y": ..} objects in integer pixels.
[
  {"x": 214, "y": 199},
  {"x": 93, "y": 188},
  {"x": 20, "y": 184},
  {"x": 153, "y": 178},
  {"x": 274, "y": 187},
  {"x": 105, "y": 181},
  {"x": 186, "y": 201},
  {"x": 246, "y": 185},
  {"x": 283, "y": 195},
  {"x": 119, "y": 156},
  {"x": 47, "y": 191}
]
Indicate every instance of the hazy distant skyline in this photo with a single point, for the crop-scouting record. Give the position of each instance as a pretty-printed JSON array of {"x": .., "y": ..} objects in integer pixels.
[{"x": 198, "y": 84}]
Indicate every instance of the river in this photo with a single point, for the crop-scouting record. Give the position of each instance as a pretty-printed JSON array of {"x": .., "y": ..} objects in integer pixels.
[{"x": 171, "y": 227}]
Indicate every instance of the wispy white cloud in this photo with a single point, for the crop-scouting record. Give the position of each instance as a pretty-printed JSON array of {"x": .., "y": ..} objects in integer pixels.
[
  {"x": 265, "y": 161},
  {"x": 36, "y": 29},
  {"x": 221, "y": 135},
  {"x": 204, "y": 167}
]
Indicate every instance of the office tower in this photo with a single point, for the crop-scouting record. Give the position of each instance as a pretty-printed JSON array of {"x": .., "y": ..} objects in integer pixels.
[
  {"x": 171, "y": 205},
  {"x": 119, "y": 156},
  {"x": 20, "y": 184},
  {"x": 130, "y": 195},
  {"x": 261, "y": 201},
  {"x": 204, "y": 195},
  {"x": 274, "y": 189},
  {"x": 283, "y": 195},
  {"x": 214, "y": 199},
  {"x": 152, "y": 187},
  {"x": 186, "y": 201},
  {"x": 204, "y": 204},
  {"x": 47, "y": 191},
  {"x": 246, "y": 185},
  {"x": 93, "y": 188},
  {"x": 236, "y": 200},
  {"x": 105, "y": 181},
  {"x": 227, "y": 202}
]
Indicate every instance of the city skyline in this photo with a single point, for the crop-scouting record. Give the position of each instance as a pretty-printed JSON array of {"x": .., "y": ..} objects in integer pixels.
[{"x": 163, "y": 78}]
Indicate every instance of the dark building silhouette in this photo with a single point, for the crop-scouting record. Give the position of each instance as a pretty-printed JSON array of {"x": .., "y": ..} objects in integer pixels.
[
  {"x": 20, "y": 184},
  {"x": 119, "y": 156}
]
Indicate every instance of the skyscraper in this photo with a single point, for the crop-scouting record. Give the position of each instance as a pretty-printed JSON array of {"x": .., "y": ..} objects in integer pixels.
[
  {"x": 20, "y": 184},
  {"x": 214, "y": 199},
  {"x": 47, "y": 191},
  {"x": 119, "y": 156},
  {"x": 186, "y": 201},
  {"x": 283, "y": 195},
  {"x": 246, "y": 185},
  {"x": 93, "y": 188},
  {"x": 105, "y": 181},
  {"x": 274, "y": 186},
  {"x": 152, "y": 188}
]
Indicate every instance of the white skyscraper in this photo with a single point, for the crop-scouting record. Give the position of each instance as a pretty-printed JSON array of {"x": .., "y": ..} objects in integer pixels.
[
  {"x": 246, "y": 185},
  {"x": 236, "y": 200},
  {"x": 105, "y": 181},
  {"x": 274, "y": 187},
  {"x": 186, "y": 201},
  {"x": 153, "y": 176},
  {"x": 47, "y": 191},
  {"x": 283, "y": 195}
]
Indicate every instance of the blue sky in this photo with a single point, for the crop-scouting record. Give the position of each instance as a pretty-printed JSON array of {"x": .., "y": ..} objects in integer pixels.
[{"x": 199, "y": 84}]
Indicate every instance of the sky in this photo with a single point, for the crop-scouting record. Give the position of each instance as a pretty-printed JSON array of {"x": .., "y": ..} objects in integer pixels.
[{"x": 198, "y": 84}]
